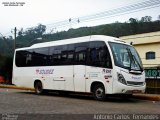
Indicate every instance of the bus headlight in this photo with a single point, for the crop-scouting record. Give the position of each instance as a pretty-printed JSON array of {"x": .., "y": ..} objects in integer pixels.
[{"x": 121, "y": 79}]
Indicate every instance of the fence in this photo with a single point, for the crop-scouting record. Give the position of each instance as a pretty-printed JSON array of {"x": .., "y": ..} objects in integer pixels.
[{"x": 153, "y": 80}]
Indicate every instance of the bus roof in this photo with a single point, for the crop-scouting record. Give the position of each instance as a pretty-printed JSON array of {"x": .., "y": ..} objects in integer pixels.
[{"x": 75, "y": 40}]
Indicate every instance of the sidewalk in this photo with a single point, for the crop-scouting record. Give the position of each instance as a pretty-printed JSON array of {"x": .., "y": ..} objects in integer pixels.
[
  {"x": 14, "y": 87},
  {"x": 151, "y": 97}
]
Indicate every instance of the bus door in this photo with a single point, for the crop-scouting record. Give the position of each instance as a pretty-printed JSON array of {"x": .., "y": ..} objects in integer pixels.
[
  {"x": 79, "y": 67},
  {"x": 56, "y": 59},
  {"x": 79, "y": 78}
]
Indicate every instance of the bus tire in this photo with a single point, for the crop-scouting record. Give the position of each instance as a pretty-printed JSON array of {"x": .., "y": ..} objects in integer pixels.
[
  {"x": 38, "y": 88},
  {"x": 99, "y": 92}
]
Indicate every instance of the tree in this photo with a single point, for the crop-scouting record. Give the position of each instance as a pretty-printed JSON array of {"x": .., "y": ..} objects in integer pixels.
[
  {"x": 40, "y": 29},
  {"x": 133, "y": 20},
  {"x": 6, "y": 67},
  {"x": 134, "y": 25},
  {"x": 158, "y": 17},
  {"x": 25, "y": 37},
  {"x": 146, "y": 19},
  {"x": 20, "y": 33}
]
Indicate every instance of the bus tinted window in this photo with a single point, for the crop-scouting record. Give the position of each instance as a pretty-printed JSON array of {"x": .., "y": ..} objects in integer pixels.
[
  {"x": 33, "y": 57},
  {"x": 70, "y": 58},
  {"x": 81, "y": 53},
  {"x": 99, "y": 54},
  {"x": 29, "y": 58},
  {"x": 55, "y": 55},
  {"x": 58, "y": 55},
  {"x": 64, "y": 55},
  {"x": 40, "y": 57},
  {"x": 94, "y": 53},
  {"x": 20, "y": 58}
]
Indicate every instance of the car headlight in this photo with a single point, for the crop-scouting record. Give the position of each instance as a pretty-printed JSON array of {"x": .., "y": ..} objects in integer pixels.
[{"x": 121, "y": 79}]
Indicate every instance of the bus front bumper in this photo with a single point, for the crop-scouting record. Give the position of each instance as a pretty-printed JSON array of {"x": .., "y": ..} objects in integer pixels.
[{"x": 128, "y": 89}]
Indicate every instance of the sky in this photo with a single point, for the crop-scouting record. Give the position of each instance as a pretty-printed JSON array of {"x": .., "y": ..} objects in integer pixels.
[{"x": 47, "y": 12}]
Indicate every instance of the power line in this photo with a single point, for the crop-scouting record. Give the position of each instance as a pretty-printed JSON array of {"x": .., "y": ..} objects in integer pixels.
[
  {"x": 131, "y": 8},
  {"x": 121, "y": 13},
  {"x": 111, "y": 13}
]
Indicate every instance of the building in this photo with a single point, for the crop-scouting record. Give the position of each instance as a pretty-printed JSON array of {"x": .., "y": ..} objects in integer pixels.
[{"x": 148, "y": 47}]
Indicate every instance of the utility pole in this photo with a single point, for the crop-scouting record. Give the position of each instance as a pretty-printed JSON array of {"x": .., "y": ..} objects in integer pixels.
[
  {"x": 70, "y": 21},
  {"x": 15, "y": 33}
]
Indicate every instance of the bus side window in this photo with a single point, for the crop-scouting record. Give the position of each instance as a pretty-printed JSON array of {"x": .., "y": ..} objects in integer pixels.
[
  {"x": 81, "y": 53},
  {"x": 28, "y": 59},
  {"x": 51, "y": 55},
  {"x": 64, "y": 55},
  {"x": 107, "y": 58},
  {"x": 20, "y": 59},
  {"x": 55, "y": 55},
  {"x": 99, "y": 55},
  {"x": 70, "y": 57},
  {"x": 40, "y": 57},
  {"x": 93, "y": 54}
]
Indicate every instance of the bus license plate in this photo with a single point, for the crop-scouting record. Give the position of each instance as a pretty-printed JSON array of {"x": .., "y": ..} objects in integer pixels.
[{"x": 136, "y": 91}]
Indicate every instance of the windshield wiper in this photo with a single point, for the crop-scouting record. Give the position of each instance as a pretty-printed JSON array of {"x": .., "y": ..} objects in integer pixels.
[
  {"x": 133, "y": 59},
  {"x": 141, "y": 69}
]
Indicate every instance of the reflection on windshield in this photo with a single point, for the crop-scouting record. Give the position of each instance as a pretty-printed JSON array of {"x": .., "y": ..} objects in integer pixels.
[{"x": 125, "y": 56}]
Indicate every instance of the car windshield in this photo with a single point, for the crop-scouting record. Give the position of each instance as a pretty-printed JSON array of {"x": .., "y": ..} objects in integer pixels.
[{"x": 126, "y": 56}]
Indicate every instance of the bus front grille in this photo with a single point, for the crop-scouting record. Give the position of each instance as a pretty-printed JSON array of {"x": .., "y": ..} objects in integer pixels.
[{"x": 135, "y": 83}]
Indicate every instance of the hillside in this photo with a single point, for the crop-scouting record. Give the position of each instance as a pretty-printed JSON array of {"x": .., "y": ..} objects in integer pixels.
[{"x": 27, "y": 38}]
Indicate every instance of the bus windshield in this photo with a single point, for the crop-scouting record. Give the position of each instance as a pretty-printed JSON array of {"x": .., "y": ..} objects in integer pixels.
[{"x": 126, "y": 56}]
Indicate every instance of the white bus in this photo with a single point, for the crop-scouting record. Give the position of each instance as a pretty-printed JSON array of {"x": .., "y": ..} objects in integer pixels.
[{"x": 95, "y": 64}]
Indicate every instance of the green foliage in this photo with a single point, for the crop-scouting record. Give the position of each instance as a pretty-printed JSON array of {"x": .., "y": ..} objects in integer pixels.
[
  {"x": 133, "y": 20},
  {"x": 117, "y": 29},
  {"x": 6, "y": 46},
  {"x": 24, "y": 38},
  {"x": 146, "y": 19},
  {"x": 6, "y": 63},
  {"x": 133, "y": 26}
]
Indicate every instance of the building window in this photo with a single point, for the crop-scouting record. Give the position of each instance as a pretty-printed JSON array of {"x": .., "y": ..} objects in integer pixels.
[{"x": 150, "y": 55}]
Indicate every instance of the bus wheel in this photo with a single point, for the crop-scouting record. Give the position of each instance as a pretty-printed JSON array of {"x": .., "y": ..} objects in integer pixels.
[
  {"x": 99, "y": 92},
  {"x": 38, "y": 88}
]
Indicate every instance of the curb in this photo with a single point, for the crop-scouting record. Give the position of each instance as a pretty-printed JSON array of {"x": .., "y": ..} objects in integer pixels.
[
  {"x": 15, "y": 87},
  {"x": 147, "y": 97},
  {"x": 150, "y": 97}
]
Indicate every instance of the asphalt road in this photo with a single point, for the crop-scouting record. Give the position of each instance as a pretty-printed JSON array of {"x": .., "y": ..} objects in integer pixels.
[{"x": 14, "y": 102}]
